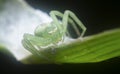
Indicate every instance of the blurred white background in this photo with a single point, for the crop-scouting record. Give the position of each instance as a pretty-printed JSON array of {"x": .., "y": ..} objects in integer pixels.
[{"x": 17, "y": 18}]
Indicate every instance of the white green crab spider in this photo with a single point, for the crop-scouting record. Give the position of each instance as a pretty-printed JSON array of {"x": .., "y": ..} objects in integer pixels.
[{"x": 52, "y": 33}]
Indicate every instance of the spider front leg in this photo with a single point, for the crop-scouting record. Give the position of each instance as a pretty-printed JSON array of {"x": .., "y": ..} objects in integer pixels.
[
  {"x": 65, "y": 19},
  {"x": 72, "y": 15},
  {"x": 62, "y": 27}
]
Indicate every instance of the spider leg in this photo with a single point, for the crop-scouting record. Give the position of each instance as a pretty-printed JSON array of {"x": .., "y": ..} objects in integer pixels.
[
  {"x": 71, "y": 14},
  {"x": 30, "y": 47},
  {"x": 54, "y": 15},
  {"x": 38, "y": 41},
  {"x": 55, "y": 20}
]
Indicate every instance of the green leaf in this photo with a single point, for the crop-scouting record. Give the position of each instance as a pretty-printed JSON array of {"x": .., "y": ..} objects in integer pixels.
[{"x": 95, "y": 48}]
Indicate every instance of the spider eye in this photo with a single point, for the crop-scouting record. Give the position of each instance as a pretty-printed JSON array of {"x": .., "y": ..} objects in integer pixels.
[
  {"x": 53, "y": 31},
  {"x": 40, "y": 29}
]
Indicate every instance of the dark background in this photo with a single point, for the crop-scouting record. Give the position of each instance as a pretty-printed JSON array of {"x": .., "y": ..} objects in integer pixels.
[{"x": 97, "y": 16}]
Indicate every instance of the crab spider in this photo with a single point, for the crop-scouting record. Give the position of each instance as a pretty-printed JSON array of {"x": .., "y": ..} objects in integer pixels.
[{"x": 52, "y": 33}]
